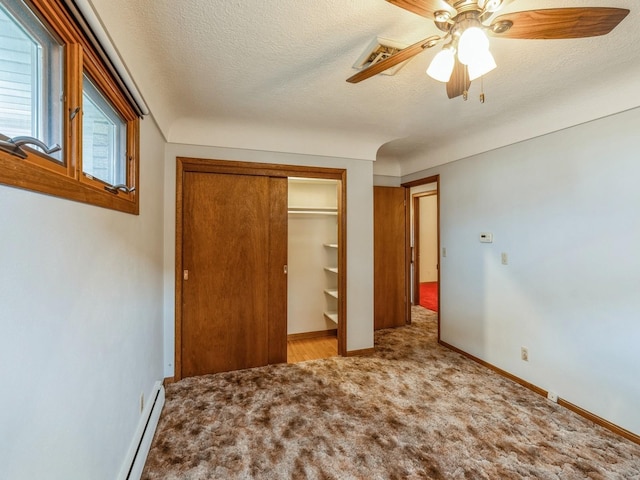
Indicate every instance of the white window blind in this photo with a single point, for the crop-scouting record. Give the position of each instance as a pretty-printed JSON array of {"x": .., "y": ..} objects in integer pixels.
[
  {"x": 30, "y": 76},
  {"x": 18, "y": 77}
]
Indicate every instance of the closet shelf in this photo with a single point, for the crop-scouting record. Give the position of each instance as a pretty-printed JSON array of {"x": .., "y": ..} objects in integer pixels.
[
  {"x": 333, "y": 316},
  {"x": 331, "y": 269},
  {"x": 331, "y": 245},
  {"x": 313, "y": 210},
  {"x": 332, "y": 293}
]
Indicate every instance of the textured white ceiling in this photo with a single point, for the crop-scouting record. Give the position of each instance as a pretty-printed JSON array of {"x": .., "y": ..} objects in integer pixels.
[{"x": 271, "y": 75}]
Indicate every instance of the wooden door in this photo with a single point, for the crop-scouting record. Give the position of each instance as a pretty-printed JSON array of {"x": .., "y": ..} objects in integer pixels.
[
  {"x": 234, "y": 284},
  {"x": 389, "y": 257}
]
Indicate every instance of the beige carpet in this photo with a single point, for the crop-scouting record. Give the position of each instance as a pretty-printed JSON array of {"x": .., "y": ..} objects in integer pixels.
[{"x": 413, "y": 410}]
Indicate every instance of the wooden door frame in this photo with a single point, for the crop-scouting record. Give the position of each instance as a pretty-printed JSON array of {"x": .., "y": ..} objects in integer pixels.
[
  {"x": 408, "y": 185},
  {"x": 416, "y": 243},
  {"x": 185, "y": 164}
]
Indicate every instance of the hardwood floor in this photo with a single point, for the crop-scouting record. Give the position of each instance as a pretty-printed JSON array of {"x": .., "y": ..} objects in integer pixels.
[{"x": 311, "y": 349}]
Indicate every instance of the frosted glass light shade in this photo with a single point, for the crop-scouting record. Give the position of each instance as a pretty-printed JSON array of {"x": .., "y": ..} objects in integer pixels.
[
  {"x": 441, "y": 66},
  {"x": 482, "y": 64},
  {"x": 473, "y": 41}
]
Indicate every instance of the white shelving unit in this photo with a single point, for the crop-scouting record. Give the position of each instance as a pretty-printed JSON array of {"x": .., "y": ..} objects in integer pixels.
[
  {"x": 332, "y": 293},
  {"x": 333, "y": 316},
  {"x": 313, "y": 222}
]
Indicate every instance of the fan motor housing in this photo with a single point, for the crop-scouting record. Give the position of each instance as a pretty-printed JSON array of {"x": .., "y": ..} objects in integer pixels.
[{"x": 465, "y": 5}]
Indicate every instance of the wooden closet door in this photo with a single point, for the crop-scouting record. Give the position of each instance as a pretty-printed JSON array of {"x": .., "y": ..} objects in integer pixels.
[
  {"x": 389, "y": 259},
  {"x": 234, "y": 250}
]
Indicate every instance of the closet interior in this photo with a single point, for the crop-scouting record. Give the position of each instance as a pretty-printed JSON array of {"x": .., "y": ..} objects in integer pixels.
[{"x": 312, "y": 283}]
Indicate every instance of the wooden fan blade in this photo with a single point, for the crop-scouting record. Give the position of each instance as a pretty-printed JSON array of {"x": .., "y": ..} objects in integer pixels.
[
  {"x": 559, "y": 23},
  {"x": 459, "y": 81},
  {"x": 425, "y": 8},
  {"x": 393, "y": 60}
]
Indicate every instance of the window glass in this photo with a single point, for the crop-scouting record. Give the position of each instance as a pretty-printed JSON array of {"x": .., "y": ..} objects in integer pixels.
[
  {"x": 104, "y": 136},
  {"x": 57, "y": 91},
  {"x": 30, "y": 77}
]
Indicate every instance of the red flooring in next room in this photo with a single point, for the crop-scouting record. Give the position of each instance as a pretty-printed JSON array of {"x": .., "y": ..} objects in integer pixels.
[{"x": 429, "y": 295}]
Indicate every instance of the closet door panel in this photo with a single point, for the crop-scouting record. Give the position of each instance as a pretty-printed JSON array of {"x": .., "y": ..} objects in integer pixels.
[
  {"x": 226, "y": 250},
  {"x": 277, "y": 274},
  {"x": 389, "y": 259}
]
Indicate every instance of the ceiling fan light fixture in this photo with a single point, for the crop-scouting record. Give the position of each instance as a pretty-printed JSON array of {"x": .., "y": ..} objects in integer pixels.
[
  {"x": 466, "y": 24},
  {"x": 473, "y": 42},
  {"x": 502, "y": 26},
  {"x": 490, "y": 5},
  {"x": 482, "y": 64},
  {"x": 442, "y": 16},
  {"x": 441, "y": 66}
]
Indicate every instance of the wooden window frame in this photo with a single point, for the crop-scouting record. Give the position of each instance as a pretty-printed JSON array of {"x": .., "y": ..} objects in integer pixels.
[{"x": 67, "y": 180}]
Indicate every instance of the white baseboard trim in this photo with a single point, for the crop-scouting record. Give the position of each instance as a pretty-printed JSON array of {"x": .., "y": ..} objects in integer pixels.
[{"x": 141, "y": 443}]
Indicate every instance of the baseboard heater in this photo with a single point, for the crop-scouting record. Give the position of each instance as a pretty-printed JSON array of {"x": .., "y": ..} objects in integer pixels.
[{"x": 137, "y": 454}]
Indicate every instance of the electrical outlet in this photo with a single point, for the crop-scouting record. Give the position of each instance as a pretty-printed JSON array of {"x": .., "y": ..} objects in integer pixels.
[
  {"x": 141, "y": 402},
  {"x": 504, "y": 258},
  {"x": 553, "y": 396},
  {"x": 444, "y": 251},
  {"x": 524, "y": 354}
]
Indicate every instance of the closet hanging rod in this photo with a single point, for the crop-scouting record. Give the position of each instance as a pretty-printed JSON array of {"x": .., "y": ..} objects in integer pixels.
[{"x": 314, "y": 211}]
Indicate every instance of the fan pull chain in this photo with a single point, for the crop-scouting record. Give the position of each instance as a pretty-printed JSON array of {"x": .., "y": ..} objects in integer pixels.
[
  {"x": 465, "y": 93},
  {"x": 482, "y": 89}
]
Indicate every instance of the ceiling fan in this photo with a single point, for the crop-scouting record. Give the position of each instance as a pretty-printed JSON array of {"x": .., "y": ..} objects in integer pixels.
[{"x": 465, "y": 55}]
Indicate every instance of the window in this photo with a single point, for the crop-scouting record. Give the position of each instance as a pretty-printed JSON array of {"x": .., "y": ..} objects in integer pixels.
[
  {"x": 66, "y": 127},
  {"x": 104, "y": 136},
  {"x": 30, "y": 76}
]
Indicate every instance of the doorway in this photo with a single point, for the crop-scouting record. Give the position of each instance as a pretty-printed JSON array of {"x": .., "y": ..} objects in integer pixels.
[
  {"x": 418, "y": 190},
  {"x": 243, "y": 323},
  {"x": 425, "y": 247},
  {"x": 312, "y": 279}
]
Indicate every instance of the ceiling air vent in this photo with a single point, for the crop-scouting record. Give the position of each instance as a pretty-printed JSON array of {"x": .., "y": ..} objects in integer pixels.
[{"x": 379, "y": 49}]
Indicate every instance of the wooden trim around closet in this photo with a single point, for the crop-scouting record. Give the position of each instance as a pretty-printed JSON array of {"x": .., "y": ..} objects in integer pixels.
[
  {"x": 184, "y": 164},
  {"x": 168, "y": 381},
  {"x": 292, "y": 337},
  {"x": 361, "y": 353}
]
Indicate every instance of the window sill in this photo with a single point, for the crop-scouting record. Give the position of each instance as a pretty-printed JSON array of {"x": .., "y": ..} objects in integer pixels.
[{"x": 22, "y": 174}]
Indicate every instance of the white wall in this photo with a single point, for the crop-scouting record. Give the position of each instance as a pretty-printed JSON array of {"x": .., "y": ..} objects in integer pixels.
[
  {"x": 307, "y": 279},
  {"x": 359, "y": 234},
  {"x": 385, "y": 180},
  {"x": 81, "y": 322},
  {"x": 565, "y": 207},
  {"x": 429, "y": 238},
  {"x": 312, "y": 193}
]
